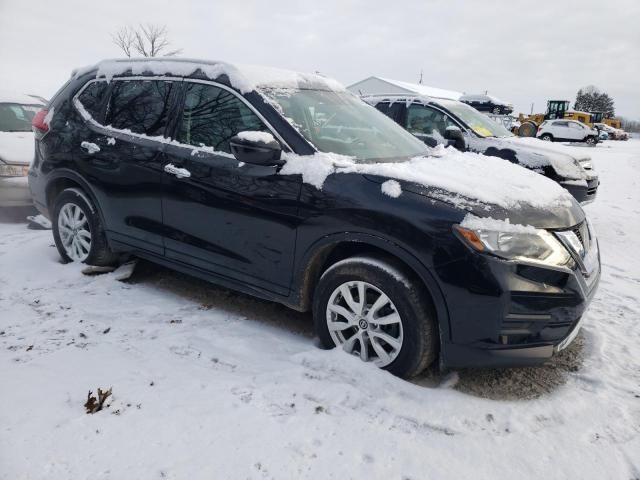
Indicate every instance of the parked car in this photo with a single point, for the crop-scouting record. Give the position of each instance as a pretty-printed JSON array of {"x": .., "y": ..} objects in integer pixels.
[
  {"x": 287, "y": 187},
  {"x": 567, "y": 131},
  {"x": 16, "y": 147},
  {"x": 487, "y": 103},
  {"x": 613, "y": 133},
  {"x": 433, "y": 120}
]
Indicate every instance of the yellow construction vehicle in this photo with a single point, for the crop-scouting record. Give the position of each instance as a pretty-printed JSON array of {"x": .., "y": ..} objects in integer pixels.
[
  {"x": 529, "y": 123},
  {"x": 556, "y": 109},
  {"x": 613, "y": 122}
]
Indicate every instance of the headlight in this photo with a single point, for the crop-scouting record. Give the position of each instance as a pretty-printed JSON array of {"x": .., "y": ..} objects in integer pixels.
[
  {"x": 13, "y": 170},
  {"x": 587, "y": 165},
  {"x": 513, "y": 242}
]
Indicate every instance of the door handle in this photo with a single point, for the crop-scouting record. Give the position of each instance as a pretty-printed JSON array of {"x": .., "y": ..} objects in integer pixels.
[{"x": 177, "y": 171}]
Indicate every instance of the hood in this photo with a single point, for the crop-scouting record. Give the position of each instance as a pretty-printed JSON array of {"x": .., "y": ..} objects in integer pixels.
[
  {"x": 560, "y": 216},
  {"x": 17, "y": 147},
  {"x": 534, "y": 153},
  {"x": 470, "y": 182}
]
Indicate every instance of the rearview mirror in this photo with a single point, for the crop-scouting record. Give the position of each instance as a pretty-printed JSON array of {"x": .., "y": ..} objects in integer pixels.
[
  {"x": 257, "y": 148},
  {"x": 455, "y": 137}
]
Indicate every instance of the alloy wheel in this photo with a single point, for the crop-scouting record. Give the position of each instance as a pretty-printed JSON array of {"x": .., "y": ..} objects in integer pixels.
[
  {"x": 363, "y": 320},
  {"x": 75, "y": 234}
]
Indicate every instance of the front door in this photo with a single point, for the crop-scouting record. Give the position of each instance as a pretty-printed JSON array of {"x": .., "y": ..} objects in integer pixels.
[{"x": 236, "y": 220}]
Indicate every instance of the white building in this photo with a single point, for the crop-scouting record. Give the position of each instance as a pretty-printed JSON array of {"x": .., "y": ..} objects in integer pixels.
[{"x": 386, "y": 86}]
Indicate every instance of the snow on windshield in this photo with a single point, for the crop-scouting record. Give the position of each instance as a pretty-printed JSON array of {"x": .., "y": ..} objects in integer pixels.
[
  {"x": 460, "y": 178},
  {"x": 245, "y": 78}
]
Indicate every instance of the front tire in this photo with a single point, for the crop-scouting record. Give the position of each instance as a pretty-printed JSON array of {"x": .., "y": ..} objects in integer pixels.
[
  {"x": 372, "y": 309},
  {"x": 590, "y": 141},
  {"x": 78, "y": 231},
  {"x": 497, "y": 110}
]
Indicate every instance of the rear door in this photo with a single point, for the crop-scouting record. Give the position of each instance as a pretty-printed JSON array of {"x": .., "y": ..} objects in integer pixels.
[
  {"x": 235, "y": 220},
  {"x": 121, "y": 155}
]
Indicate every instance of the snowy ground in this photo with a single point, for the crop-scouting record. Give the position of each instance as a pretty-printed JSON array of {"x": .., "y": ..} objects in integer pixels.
[{"x": 212, "y": 384}]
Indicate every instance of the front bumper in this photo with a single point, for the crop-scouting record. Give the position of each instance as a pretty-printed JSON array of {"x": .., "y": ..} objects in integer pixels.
[
  {"x": 517, "y": 316},
  {"x": 583, "y": 194},
  {"x": 14, "y": 192}
]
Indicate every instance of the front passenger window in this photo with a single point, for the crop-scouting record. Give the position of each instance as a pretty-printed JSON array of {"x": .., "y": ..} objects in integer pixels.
[
  {"x": 212, "y": 116},
  {"x": 424, "y": 121}
]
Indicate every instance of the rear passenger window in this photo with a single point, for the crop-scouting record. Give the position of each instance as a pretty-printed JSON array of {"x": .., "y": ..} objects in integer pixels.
[
  {"x": 212, "y": 115},
  {"x": 140, "y": 106},
  {"x": 92, "y": 97}
]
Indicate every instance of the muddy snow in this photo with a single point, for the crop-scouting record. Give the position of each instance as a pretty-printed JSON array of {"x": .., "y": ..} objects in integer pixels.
[{"x": 212, "y": 384}]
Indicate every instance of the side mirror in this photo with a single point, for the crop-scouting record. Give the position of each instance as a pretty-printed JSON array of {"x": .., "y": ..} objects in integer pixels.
[
  {"x": 455, "y": 137},
  {"x": 256, "y": 148}
]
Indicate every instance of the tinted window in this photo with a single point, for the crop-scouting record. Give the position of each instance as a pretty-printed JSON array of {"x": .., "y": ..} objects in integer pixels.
[
  {"x": 212, "y": 115},
  {"x": 423, "y": 120},
  {"x": 560, "y": 124},
  {"x": 92, "y": 97},
  {"x": 140, "y": 106},
  {"x": 394, "y": 110}
]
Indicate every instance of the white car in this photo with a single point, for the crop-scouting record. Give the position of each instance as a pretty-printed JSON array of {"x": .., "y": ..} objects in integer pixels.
[
  {"x": 567, "y": 131},
  {"x": 16, "y": 147}
]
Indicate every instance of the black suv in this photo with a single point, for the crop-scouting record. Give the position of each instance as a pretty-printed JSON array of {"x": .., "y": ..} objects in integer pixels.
[
  {"x": 454, "y": 123},
  {"x": 287, "y": 187},
  {"x": 487, "y": 103}
]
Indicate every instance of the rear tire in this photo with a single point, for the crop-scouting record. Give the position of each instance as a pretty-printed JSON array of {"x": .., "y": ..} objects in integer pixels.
[
  {"x": 546, "y": 137},
  {"x": 78, "y": 231},
  {"x": 392, "y": 325}
]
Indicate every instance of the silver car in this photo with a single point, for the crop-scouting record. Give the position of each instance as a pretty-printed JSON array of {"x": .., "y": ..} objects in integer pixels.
[{"x": 16, "y": 147}]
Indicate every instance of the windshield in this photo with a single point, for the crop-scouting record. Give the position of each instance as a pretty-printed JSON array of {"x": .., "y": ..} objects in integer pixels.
[
  {"x": 476, "y": 121},
  {"x": 17, "y": 118},
  {"x": 339, "y": 122}
]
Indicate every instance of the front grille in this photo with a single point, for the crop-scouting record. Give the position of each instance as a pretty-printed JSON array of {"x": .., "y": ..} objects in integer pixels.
[{"x": 582, "y": 232}]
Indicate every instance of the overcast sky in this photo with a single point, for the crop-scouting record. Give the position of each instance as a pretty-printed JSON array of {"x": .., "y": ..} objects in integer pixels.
[{"x": 521, "y": 51}]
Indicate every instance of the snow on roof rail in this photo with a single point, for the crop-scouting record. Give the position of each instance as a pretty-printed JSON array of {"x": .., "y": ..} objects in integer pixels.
[{"x": 245, "y": 78}]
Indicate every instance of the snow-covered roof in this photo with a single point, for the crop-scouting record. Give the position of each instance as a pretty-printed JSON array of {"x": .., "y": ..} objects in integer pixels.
[
  {"x": 7, "y": 96},
  {"x": 379, "y": 85},
  {"x": 245, "y": 78}
]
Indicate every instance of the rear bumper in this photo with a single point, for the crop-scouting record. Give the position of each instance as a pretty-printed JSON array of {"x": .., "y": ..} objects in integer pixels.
[{"x": 14, "y": 192}]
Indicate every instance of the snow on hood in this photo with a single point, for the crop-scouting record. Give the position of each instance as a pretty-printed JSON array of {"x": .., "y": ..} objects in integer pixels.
[
  {"x": 536, "y": 153},
  {"x": 245, "y": 78},
  {"x": 17, "y": 147},
  {"x": 576, "y": 153},
  {"x": 460, "y": 178}
]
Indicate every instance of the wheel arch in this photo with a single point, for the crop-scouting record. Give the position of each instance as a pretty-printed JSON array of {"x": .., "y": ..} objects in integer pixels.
[
  {"x": 64, "y": 179},
  {"x": 333, "y": 248}
]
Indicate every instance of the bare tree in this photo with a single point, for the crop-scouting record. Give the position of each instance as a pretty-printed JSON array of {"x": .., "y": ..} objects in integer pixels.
[{"x": 145, "y": 40}]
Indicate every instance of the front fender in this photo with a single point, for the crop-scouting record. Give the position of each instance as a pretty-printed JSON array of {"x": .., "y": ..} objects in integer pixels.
[{"x": 307, "y": 269}]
